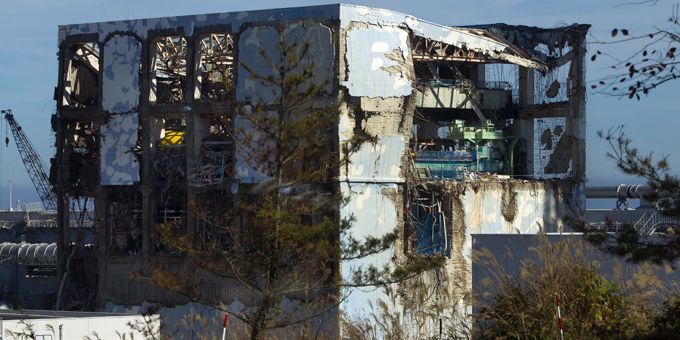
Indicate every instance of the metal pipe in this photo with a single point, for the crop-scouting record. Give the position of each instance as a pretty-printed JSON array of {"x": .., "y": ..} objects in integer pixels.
[{"x": 622, "y": 191}]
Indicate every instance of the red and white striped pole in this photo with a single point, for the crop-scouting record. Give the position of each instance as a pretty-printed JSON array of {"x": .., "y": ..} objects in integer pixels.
[
  {"x": 224, "y": 326},
  {"x": 559, "y": 316}
]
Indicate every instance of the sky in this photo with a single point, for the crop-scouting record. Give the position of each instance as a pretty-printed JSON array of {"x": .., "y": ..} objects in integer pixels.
[{"x": 28, "y": 64}]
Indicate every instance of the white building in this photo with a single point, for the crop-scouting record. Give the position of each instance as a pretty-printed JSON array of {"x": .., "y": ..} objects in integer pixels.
[{"x": 63, "y": 325}]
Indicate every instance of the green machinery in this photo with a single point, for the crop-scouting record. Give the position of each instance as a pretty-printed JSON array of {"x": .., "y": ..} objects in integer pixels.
[{"x": 467, "y": 149}]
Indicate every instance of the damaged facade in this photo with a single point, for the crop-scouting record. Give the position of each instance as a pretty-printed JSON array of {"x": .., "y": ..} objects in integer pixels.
[{"x": 463, "y": 130}]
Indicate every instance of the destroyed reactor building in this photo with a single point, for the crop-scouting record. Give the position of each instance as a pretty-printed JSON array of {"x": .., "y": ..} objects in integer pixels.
[{"x": 466, "y": 130}]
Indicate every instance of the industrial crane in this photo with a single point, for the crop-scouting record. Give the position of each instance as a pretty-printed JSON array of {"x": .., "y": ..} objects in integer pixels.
[{"x": 34, "y": 165}]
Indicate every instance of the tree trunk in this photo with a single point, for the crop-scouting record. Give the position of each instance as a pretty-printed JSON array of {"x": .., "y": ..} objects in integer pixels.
[{"x": 259, "y": 323}]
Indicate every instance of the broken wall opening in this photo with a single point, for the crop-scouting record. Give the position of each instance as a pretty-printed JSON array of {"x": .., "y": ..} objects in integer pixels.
[
  {"x": 465, "y": 109},
  {"x": 458, "y": 126},
  {"x": 555, "y": 85},
  {"x": 479, "y": 114},
  {"x": 82, "y": 146},
  {"x": 215, "y": 154},
  {"x": 503, "y": 76},
  {"x": 82, "y": 219},
  {"x": 215, "y": 68},
  {"x": 427, "y": 225},
  {"x": 124, "y": 220},
  {"x": 168, "y": 70},
  {"x": 169, "y": 168},
  {"x": 214, "y": 217},
  {"x": 81, "y": 75}
]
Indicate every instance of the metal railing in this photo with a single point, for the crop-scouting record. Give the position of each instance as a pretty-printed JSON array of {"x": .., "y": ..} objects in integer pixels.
[{"x": 655, "y": 222}]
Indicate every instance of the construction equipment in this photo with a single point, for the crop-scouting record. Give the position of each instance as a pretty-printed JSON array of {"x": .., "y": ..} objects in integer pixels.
[{"x": 34, "y": 165}]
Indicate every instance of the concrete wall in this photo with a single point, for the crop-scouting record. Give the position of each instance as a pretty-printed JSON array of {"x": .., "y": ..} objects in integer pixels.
[{"x": 500, "y": 207}]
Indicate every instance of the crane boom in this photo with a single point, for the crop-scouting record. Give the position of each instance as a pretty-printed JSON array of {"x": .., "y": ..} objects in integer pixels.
[{"x": 34, "y": 165}]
